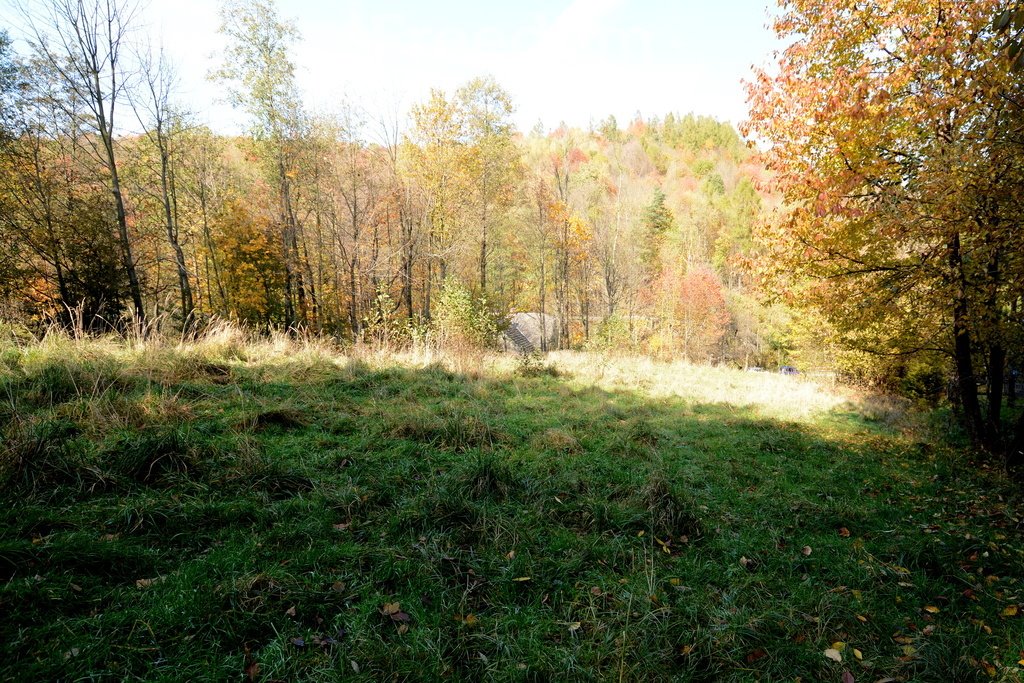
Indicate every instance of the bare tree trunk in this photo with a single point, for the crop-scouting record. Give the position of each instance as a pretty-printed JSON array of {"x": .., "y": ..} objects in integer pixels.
[
  {"x": 967, "y": 387},
  {"x": 408, "y": 254},
  {"x": 211, "y": 252},
  {"x": 167, "y": 188},
  {"x": 122, "y": 231}
]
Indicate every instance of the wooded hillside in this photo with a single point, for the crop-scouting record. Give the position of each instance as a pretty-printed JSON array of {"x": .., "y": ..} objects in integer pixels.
[{"x": 357, "y": 225}]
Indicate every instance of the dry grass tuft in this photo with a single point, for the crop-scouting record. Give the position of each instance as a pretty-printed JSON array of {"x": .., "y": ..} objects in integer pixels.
[{"x": 557, "y": 440}]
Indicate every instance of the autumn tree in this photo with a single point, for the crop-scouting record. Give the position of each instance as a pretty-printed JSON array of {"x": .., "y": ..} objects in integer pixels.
[
  {"x": 83, "y": 42},
  {"x": 59, "y": 256},
  {"x": 490, "y": 157},
  {"x": 613, "y": 202},
  {"x": 570, "y": 230},
  {"x": 163, "y": 128},
  {"x": 891, "y": 128},
  {"x": 253, "y": 272},
  {"x": 204, "y": 181},
  {"x": 434, "y": 155},
  {"x": 356, "y": 195},
  {"x": 260, "y": 77},
  {"x": 693, "y": 313},
  {"x": 403, "y": 197}
]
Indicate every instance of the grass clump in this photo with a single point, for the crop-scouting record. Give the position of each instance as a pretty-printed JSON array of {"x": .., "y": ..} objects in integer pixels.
[
  {"x": 269, "y": 509},
  {"x": 158, "y": 455},
  {"x": 39, "y": 455}
]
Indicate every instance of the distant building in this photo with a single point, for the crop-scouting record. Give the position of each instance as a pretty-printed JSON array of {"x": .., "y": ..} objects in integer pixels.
[{"x": 529, "y": 332}]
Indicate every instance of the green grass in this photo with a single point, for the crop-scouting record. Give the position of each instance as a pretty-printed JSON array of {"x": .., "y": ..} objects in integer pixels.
[{"x": 224, "y": 511}]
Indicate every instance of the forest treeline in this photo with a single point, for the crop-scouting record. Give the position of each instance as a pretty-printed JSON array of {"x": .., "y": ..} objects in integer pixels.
[{"x": 358, "y": 225}]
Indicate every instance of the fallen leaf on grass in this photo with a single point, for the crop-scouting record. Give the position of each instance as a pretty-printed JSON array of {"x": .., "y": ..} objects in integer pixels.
[
  {"x": 834, "y": 654},
  {"x": 290, "y": 612},
  {"x": 839, "y": 646},
  {"x": 1011, "y": 611},
  {"x": 982, "y": 625},
  {"x": 298, "y": 642},
  {"x": 932, "y": 609},
  {"x": 756, "y": 655},
  {"x": 844, "y": 532},
  {"x": 858, "y": 654},
  {"x": 574, "y": 626},
  {"x": 806, "y": 550},
  {"x": 848, "y": 677},
  {"x": 393, "y": 610},
  {"x": 327, "y": 641},
  {"x": 520, "y": 579}
]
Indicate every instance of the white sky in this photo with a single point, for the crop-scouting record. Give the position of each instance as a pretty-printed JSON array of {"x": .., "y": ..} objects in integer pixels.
[{"x": 561, "y": 60}]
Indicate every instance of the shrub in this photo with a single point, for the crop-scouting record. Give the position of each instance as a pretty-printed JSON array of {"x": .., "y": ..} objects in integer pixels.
[
  {"x": 533, "y": 365},
  {"x": 462, "y": 320}
]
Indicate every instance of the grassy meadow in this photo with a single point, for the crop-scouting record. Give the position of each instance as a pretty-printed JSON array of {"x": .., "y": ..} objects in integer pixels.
[{"x": 239, "y": 509}]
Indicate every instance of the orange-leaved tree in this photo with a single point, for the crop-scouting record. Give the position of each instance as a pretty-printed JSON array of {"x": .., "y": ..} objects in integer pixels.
[
  {"x": 694, "y": 310},
  {"x": 894, "y": 131}
]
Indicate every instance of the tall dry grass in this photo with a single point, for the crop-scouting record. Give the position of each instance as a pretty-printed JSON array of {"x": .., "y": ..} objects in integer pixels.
[{"x": 154, "y": 351}]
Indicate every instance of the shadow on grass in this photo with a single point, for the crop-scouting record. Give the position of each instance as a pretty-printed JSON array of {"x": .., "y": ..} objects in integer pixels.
[{"x": 528, "y": 528}]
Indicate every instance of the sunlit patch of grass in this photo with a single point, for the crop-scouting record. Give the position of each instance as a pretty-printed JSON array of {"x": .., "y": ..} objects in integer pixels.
[
  {"x": 193, "y": 509},
  {"x": 788, "y": 397}
]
